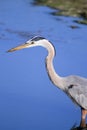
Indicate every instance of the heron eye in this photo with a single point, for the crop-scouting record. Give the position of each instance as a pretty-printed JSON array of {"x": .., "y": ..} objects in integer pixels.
[{"x": 32, "y": 42}]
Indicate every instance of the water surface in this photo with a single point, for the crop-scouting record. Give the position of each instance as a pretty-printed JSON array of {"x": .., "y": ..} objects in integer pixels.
[{"x": 28, "y": 100}]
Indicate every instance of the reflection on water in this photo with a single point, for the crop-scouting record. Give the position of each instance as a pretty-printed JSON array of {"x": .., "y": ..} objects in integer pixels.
[{"x": 82, "y": 126}]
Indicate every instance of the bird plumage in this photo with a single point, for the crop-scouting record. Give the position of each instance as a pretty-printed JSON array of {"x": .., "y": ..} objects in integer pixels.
[
  {"x": 74, "y": 86},
  {"x": 78, "y": 90}
]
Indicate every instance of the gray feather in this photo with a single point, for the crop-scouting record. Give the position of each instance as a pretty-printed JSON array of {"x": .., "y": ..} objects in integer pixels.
[{"x": 77, "y": 89}]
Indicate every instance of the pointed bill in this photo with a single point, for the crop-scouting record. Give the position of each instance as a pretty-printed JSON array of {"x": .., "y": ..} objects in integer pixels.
[{"x": 19, "y": 47}]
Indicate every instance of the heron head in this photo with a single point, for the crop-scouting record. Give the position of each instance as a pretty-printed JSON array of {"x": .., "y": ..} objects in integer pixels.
[{"x": 35, "y": 41}]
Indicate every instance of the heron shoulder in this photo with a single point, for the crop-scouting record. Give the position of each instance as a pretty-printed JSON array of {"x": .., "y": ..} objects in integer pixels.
[
  {"x": 76, "y": 89},
  {"x": 76, "y": 80}
]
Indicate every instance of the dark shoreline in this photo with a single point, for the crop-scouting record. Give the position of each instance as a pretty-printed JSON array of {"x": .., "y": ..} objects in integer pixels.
[{"x": 76, "y": 8}]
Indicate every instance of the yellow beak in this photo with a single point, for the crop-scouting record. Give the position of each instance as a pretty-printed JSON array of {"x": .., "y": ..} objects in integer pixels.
[{"x": 19, "y": 47}]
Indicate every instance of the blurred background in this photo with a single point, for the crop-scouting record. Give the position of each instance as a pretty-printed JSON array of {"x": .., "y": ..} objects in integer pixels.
[{"x": 28, "y": 100}]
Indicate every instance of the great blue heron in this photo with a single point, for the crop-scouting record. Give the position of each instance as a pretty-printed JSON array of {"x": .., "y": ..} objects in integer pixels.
[{"x": 74, "y": 86}]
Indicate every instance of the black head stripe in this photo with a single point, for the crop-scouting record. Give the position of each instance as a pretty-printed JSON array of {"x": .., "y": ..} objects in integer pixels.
[{"x": 37, "y": 38}]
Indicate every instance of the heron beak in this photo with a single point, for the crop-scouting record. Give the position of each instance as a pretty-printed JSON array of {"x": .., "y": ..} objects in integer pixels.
[{"x": 25, "y": 45}]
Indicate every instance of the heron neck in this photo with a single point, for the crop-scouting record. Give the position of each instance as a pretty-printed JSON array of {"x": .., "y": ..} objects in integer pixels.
[{"x": 54, "y": 77}]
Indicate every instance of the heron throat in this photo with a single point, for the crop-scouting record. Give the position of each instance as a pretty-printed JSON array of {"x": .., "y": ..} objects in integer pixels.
[{"x": 54, "y": 77}]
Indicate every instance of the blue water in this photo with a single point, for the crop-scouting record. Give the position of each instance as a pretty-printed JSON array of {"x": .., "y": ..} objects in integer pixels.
[{"x": 28, "y": 100}]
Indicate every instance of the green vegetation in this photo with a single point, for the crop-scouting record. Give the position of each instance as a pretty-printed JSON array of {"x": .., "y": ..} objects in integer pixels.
[{"x": 67, "y": 7}]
